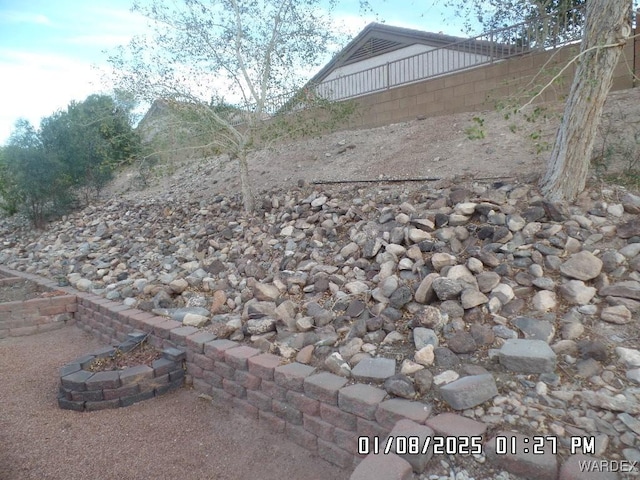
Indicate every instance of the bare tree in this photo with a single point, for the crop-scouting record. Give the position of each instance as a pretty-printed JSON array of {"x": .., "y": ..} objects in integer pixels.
[
  {"x": 606, "y": 32},
  {"x": 223, "y": 66}
]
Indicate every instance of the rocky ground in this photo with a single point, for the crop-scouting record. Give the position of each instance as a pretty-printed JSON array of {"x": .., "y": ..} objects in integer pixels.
[{"x": 536, "y": 304}]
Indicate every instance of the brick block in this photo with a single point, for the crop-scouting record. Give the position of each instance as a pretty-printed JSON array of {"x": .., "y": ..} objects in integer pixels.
[
  {"x": 245, "y": 407},
  {"x": 318, "y": 427},
  {"x": 287, "y": 412},
  {"x": 94, "y": 406},
  {"x": 216, "y": 348},
  {"x": 201, "y": 386},
  {"x": 233, "y": 388},
  {"x": 360, "y": 399},
  {"x": 196, "y": 341},
  {"x": 247, "y": 380},
  {"x": 77, "y": 380},
  {"x": 303, "y": 403},
  {"x": 274, "y": 391},
  {"x": 224, "y": 370},
  {"x": 131, "y": 399},
  {"x": 334, "y": 454},
  {"x": 69, "y": 368},
  {"x": 178, "y": 374},
  {"x": 454, "y": 425},
  {"x": 179, "y": 335},
  {"x": 70, "y": 405},
  {"x": 162, "y": 366},
  {"x": 203, "y": 361},
  {"x": 301, "y": 437},
  {"x": 264, "y": 365},
  {"x": 112, "y": 394},
  {"x": 172, "y": 385},
  {"x": 324, "y": 387},
  {"x": 391, "y": 411},
  {"x": 136, "y": 374},
  {"x": 369, "y": 428},
  {"x": 346, "y": 440},
  {"x": 259, "y": 400},
  {"x": 89, "y": 395},
  {"x": 194, "y": 370},
  {"x": 292, "y": 375},
  {"x": 337, "y": 417},
  {"x": 273, "y": 422},
  {"x": 163, "y": 328},
  {"x": 220, "y": 396},
  {"x": 409, "y": 428},
  {"x": 174, "y": 354},
  {"x": 237, "y": 357},
  {"x": 212, "y": 379},
  {"x": 383, "y": 467}
]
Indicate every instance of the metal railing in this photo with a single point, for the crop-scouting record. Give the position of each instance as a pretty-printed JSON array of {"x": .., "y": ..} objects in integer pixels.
[{"x": 496, "y": 45}]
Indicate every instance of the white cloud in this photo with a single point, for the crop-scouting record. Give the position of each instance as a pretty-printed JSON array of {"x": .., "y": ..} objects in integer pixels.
[
  {"x": 36, "y": 85},
  {"x": 24, "y": 17}
]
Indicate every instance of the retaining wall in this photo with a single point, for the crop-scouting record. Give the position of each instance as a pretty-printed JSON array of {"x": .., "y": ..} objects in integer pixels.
[
  {"x": 321, "y": 411},
  {"x": 36, "y": 315}
]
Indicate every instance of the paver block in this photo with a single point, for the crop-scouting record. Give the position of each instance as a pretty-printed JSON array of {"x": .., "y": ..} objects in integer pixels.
[
  {"x": 337, "y": 417},
  {"x": 292, "y": 375},
  {"x": 383, "y": 467},
  {"x": 324, "y": 387},
  {"x": 453, "y": 425},
  {"x": 360, "y": 399},
  {"x": 264, "y": 365},
  {"x": 162, "y": 366},
  {"x": 174, "y": 354},
  {"x": 374, "y": 369},
  {"x": 216, "y": 348},
  {"x": 468, "y": 392},
  {"x": 303, "y": 403},
  {"x": 391, "y": 411},
  {"x": 77, "y": 380},
  {"x": 135, "y": 374},
  {"x": 197, "y": 341},
  {"x": 527, "y": 356},
  {"x": 528, "y": 465},
  {"x": 409, "y": 428},
  {"x": 100, "y": 380},
  {"x": 237, "y": 357}
]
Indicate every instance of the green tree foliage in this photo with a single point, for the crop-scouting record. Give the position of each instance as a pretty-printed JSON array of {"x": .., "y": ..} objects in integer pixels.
[
  {"x": 253, "y": 53},
  {"x": 32, "y": 179},
  {"x": 74, "y": 153},
  {"x": 91, "y": 138}
]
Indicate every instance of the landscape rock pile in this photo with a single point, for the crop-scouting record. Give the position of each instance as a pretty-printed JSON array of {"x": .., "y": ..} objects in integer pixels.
[{"x": 480, "y": 298}]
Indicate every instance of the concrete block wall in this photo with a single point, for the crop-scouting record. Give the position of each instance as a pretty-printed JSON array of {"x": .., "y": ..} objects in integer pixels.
[
  {"x": 321, "y": 411},
  {"x": 33, "y": 316},
  {"x": 480, "y": 88}
]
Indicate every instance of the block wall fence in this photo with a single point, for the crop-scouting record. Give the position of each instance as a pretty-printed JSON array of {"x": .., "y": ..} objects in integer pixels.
[
  {"x": 480, "y": 88},
  {"x": 323, "y": 412}
]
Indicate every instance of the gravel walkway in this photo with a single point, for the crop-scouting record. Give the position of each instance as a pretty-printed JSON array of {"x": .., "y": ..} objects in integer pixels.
[{"x": 176, "y": 436}]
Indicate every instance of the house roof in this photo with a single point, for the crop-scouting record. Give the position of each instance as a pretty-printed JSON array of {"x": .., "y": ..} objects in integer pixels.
[{"x": 378, "y": 38}]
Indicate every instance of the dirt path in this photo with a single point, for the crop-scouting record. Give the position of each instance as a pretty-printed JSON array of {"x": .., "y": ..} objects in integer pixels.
[{"x": 176, "y": 436}]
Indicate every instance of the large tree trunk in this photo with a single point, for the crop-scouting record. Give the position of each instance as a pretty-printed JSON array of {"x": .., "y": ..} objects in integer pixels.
[
  {"x": 605, "y": 33},
  {"x": 245, "y": 185}
]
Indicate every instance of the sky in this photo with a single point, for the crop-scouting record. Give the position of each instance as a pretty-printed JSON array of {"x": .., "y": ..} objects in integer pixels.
[{"x": 52, "y": 52}]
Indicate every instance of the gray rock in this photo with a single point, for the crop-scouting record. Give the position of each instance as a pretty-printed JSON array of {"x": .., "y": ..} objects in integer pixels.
[
  {"x": 374, "y": 369},
  {"x": 534, "y": 329},
  {"x": 400, "y": 386},
  {"x": 462, "y": 342},
  {"x": 576, "y": 292},
  {"x": 618, "y": 314},
  {"x": 194, "y": 320},
  {"x": 336, "y": 364},
  {"x": 469, "y": 392},
  {"x": 446, "y": 288},
  {"x": 472, "y": 298},
  {"x": 446, "y": 358},
  {"x": 260, "y": 326},
  {"x": 401, "y": 297},
  {"x": 582, "y": 266},
  {"x": 425, "y": 293},
  {"x": 527, "y": 356},
  {"x": 627, "y": 289},
  {"x": 423, "y": 337},
  {"x": 629, "y": 356},
  {"x": 423, "y": 380}
]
